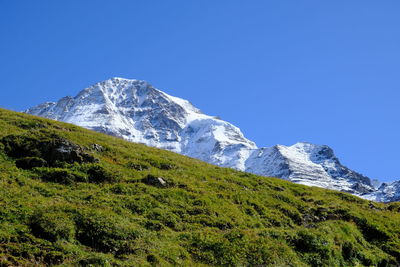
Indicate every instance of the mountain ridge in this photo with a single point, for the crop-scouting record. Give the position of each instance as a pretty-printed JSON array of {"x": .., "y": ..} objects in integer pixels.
[{"x": 138, "y": 112}]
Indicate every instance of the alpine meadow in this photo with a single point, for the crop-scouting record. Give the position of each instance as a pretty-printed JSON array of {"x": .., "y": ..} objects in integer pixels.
[{"x": 70, "y": 196}]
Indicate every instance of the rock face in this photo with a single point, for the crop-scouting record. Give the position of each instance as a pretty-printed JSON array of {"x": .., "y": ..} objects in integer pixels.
[{"x": 138, "y": 112}]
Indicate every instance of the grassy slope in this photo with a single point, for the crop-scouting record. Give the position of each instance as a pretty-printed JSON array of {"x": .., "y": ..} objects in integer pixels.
[{"x": 205, "y": 216}]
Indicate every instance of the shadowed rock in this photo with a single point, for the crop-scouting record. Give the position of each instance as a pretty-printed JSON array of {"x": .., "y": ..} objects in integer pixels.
[
  {"x": 155, "y": 181},
  {"x": 48, "y": 148}
]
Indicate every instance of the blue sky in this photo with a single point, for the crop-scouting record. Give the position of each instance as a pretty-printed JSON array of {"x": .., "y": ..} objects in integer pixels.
[{"x": 325, "y": 72}]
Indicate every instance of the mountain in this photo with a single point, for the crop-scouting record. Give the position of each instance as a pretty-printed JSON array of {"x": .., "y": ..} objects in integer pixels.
[
  {"x": 74, "y": 197},
  {"x": 136, "y": 111},
  {"x": 387, "y": 192},
  {"x": 308, "y": 164}
]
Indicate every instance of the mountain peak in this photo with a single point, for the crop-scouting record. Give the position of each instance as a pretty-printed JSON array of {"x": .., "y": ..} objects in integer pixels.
[
  {"x": 136, "y": 111},
  {"x": 124, "y": 89},
  {"x": 117, "y": 85}
]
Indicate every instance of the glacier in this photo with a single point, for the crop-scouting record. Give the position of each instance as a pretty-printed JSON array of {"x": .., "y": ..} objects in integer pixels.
[{"x": 136, "y": 111}]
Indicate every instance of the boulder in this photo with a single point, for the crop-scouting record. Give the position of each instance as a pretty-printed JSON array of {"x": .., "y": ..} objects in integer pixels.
[
  {"x": 64, "y": 150},
  {"x": 155, "y": 181}
]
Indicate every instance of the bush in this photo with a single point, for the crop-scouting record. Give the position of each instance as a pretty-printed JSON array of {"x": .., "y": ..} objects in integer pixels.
[
  {"x": 163, "y": 216},
  {"x": 152, "y": 259},
  {"x": 306, "y": 241},
  {"x": 372, "y": 231},
  {"x": 60, "y": 175},
  {"x": 349, "y": 251},
  {"x": 142, "y": 204},
  {"x": 28, "y": 163},
  {"x": 312, "y": 244},
  {"x": 106, "y": 232},
  {"x": 394, "y": 207},
  {"x": 138, "y": 166},
  {"x": 98, "y": 174},
  {"x": 92, "y": 173},
  {"x": 54, "y": 258},
  {"x": 211, "y": 248},
  {"x": 18, "y": 146},
  {"x": 95, "y": 260},
  {"x": 238, "y": 248},
  {"x": 53, "y": 225},
  {"x": 159, "y": 164}
]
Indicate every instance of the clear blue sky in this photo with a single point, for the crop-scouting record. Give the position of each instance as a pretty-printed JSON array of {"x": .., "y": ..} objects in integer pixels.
[{"x": 326, "y": 72}]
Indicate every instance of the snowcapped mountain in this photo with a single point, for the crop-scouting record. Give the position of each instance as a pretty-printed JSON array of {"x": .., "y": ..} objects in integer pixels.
[
  {"x": 138, "y": 112},
  {"x": 308, "y": 164},
  {"x": 387, "y": 192}
]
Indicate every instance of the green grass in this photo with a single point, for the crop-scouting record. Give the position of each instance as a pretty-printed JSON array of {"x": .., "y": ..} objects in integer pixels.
[{"x": 95, "y": 208}]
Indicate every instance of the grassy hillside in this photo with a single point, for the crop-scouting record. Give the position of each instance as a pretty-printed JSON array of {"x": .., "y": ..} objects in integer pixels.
[{"x": 73, "y": 197}]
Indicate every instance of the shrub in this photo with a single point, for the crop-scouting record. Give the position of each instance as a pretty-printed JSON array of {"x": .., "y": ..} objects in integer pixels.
[
  {"x": 394, "y": 206},
  {"x": 92, "y": 173},
  {"x": 142, "y": 204},
  {"x": 312, "y": 243},
  {"x": 211, "y": 248},
  {"x": 54, "y": 258},
  {"x": 27, "y": 124},
  {"x": 372, "y": 231},
  {"x": 291, "y": 212},
  {"x": 165, "y": 217},
  {"x": 28, "y": 163},
  {"x": 152, "y": 259},
  {"x": 98, "y": 174},
  {"x": 238, "y": 248},
  {"x": 159, "y": 164},
  {"x": 95, "y": 260},
  {"x": 138, "y": 166},
  {"x": 153, "y": 225},
  {"x": 348, "y": 251},
  {"x": 53, "y": 225},
  {"x": 18, "y": 146},
  {"x": 123, "y": 189},
  {"x": 60, "y": 175},
  {"x": 106, "y": 232}
]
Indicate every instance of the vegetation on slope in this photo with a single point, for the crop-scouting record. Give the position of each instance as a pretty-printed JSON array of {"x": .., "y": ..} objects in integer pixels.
[{"x": 69, "y": 197}]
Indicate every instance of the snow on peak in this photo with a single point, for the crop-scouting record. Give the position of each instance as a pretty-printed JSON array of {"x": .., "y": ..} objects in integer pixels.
[
  {"x": 387, "y": 192},
  {"x": 138, "y": 112},
  {"x": 308, "y": 164}
]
